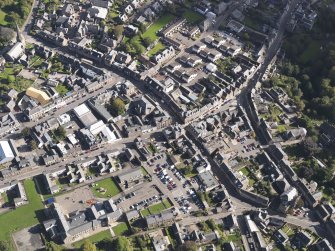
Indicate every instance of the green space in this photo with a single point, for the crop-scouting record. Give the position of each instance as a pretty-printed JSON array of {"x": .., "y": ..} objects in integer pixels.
[
  {"x": 62, "y": 89},
  {"x": 121, "y": 229},
  {"x": 157, "y": 25},
  {"x": 157, "y": 48},
  {"x": 249, "y": 175},
  {"x": 156, "y": 208},
  {"x": 233, "y": 237},
  {"x": 192, "y": 16},
  {"x": 287, "y": 230},
  {"x": 2, "y": 18},
  {"x": 10, "y": 80},
  {"x": 94, "y": 238},
  {"x": 22, "y": 217},
  {"x": 12, "y": 11},
  {"x": 105, "y": 188},
  {"x": 281, "y": 128}
]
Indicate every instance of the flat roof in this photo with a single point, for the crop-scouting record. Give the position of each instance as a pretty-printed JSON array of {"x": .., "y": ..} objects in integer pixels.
[
  {"x": 6, "y": 150},
  {"x": 81, "y": 110}
]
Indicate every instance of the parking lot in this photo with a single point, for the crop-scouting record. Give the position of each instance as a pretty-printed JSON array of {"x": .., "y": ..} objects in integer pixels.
[
  {"x": 138, "y": 197},
  {"x": 179, "y": 189}
]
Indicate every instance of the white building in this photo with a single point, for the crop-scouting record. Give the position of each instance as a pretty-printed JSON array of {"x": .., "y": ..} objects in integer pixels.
[
  {"x": 64, "y": 118},
  {"x": 6, "y": 153}
]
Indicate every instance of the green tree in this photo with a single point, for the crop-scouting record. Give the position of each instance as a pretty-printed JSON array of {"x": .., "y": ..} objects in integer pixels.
[
  {"x": 121, "y": 244},
  {"x": 51, "y": 246},
  {"x": 25, "y": 132},
  {"x": 116, "y": 106},
  {"x": 118, "y": 31},
  {"x": 88, "y": 246},
  {"x": 4, "y": 245},
  {"x": 148, "y": 41},
  {"x": 60, "y": 133},
  {"x": 142, "y": 27},
  {"x": 211, "y": 224},
  {"x": 33, "y": 144},
  {"x": 187, "y": 246}
]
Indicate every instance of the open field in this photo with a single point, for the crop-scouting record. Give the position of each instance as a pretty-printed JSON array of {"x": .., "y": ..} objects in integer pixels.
[
  {"x": 120, "y": 229},
  {"x": 158, "y": 47},
  {"x": 157, "y": 25},
  {"x": 2, "y": 18},
  {"x": 23, "y": 216},
  {"x": 156, "y": 208},
  {"x": 192, "y": 16},
  {"x": 111, "y": 189},
  {"x": 94, "y": 238}
]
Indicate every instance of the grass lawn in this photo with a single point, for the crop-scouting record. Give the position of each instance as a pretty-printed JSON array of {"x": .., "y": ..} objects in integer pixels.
[
  {"x": 192, "y": 16},
  {"x": 311, "y": 53},
  {"x": 120, "y": 229},
  {"x": 156, "y": 26},
  {"x": 156, "y": 208},
  {"x": 23, "y": 216},
  {"x": 111, "y": 188},
  {"x": 232, "y": 237},
  {"x": 62, "y": 89},
  {"x": 94, "y": 238},
  {"x": 2, "y": 18},
  {"x": 281, "y": 128},
  {"x": 158, "y": 47},
  {"x": 145, "y": 212},
  {"x": 247, "y": 173},
  {"x": 289, "y": 231}
]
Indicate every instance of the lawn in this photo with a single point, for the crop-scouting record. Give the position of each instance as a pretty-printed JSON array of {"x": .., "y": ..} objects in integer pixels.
[
  {"x": 111, "y": 188},
  {"x": 62, "y": 89},
  {"x": 94, "y": 238},
  {"x": 157, "y": 48},
  {"x": 192, "y": 16},
  {"x": 156, "y": 26},
  {"x": 2, "y": 18},
  {"x": 287, "y": 230},
  {"x": 23, "y": 216},
  {"x": 121, "y": 229},
  {"x": 156, "y": 208},
  {"x": 247, "y": 173}
]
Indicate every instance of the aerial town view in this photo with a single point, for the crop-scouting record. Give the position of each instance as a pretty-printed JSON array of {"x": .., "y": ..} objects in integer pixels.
[{"x": 162, "y": 125}]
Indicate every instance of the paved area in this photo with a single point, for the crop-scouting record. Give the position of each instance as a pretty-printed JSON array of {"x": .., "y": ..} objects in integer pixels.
[
  {"x": 75, "y": 200},
  {"x": 28, "y": 239}
]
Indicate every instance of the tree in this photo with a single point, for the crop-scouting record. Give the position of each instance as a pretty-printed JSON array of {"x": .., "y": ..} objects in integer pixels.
[
  {"x": 88, "y": 246},
  {"x": 118, "y": 31},
  {"x": 60, "y": 133},
  {"x": 187, "y": 246},
  {"x": 121, "y": 244},
  {"x": 25, "y": 132},
  {"x": 33, "y": 144},
  {"x": 142, "y": 27},
  {"x": 51, "y": 246},
  {"x": 148, "y": 41},
  {"x": 6, "y": 35},
  {"x": 116, "y": 106},
  {"x": 211, "y": 224},
  {"x": 4, "y": 245}
]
